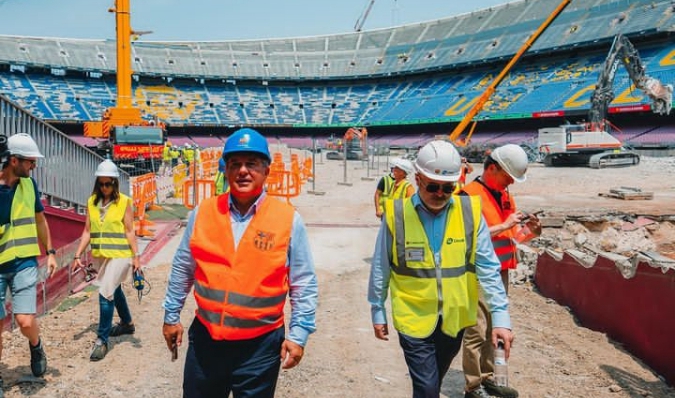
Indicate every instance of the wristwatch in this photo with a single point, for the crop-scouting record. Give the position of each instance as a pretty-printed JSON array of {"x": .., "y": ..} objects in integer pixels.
[{"x": 51, "y": 251}]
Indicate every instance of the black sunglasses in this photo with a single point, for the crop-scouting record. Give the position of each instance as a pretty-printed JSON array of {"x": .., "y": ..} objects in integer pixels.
[
  {"x": 106, "y": 184},
  {"x": 433, "y": 187},
  {"x": 31, "y": 161}
]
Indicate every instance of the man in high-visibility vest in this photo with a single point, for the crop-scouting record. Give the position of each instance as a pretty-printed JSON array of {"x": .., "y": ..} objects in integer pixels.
[
  {"x": 243, "y": 252},
  {"x": 221, "y": 179},
  {"x": 502, "y": 167},
  {"x": 22, "y": 226},
  {"x": 432, "y": 251},
  {"x": 394, "y": 185}
]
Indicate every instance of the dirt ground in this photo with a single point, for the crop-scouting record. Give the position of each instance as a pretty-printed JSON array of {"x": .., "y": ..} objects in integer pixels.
[{"x": 553, "y": 356}]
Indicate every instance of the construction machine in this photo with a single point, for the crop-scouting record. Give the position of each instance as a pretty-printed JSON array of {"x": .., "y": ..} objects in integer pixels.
[
  {"x": 355, "y": 142},
  {"x": 479, "y": 103},
  {"x": 123, "y": 134},
  {"x": 591, "y": 144}
]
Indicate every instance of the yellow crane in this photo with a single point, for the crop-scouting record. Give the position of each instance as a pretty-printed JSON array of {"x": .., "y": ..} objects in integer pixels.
[
  {"x": 126, "y": 134},
  {"x": 480, "y": 103}
]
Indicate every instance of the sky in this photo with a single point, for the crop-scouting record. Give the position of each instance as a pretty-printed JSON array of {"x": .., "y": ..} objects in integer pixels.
[{"x": 208, "y": 20}]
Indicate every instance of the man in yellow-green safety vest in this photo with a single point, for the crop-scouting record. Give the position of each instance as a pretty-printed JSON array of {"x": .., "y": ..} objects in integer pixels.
[
  {"x": 221, "y": 179},
  {"x": 432, "y": 252},
  {"x": 22, "y": 226}
]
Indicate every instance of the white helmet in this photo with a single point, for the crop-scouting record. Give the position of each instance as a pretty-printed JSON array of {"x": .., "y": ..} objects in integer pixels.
[
  {"x": 403, "y": 164},
  {"x": 440, "y": 161},
  {"x": 513, "y": 159},
  {"x": 23, "y": 145},
  {"x": 107, "y": 169}
]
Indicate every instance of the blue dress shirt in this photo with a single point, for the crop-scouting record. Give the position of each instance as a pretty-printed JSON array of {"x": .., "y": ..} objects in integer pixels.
[{"x": 487, "y": 265}]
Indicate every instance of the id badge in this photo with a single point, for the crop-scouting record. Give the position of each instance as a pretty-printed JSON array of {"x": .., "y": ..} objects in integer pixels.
[{"x": 414, "y": 254}]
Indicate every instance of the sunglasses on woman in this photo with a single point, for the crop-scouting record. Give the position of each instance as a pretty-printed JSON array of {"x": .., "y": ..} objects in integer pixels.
[{"x": 106, "y": 184}]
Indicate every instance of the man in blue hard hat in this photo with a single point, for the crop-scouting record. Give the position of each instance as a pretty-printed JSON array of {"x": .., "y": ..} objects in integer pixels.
[{"x": 243, "y": 252}]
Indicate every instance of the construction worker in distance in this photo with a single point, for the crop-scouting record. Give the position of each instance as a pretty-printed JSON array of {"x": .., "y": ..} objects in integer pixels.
[
  {"x": 109, "y": 227},
  {"x": 244, "y": 252},
  {"x": 221, "y": 180},
  {"x": 166, "y": 158},
  {"x": 501, "y": 168},
  {"x": 394, "y": 185},
  {"x": 22, "y": 226},
  {"x": 432, "y": 251}
]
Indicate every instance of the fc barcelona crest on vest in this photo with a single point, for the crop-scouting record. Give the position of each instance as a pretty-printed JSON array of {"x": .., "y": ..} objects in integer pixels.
[{"x": 264, "y": 240}]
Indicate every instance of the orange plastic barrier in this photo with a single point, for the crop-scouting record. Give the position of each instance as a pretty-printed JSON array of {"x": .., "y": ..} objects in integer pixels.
[
  {"x": 144, "y": 196},
  {"x": 205, "y": 189}
]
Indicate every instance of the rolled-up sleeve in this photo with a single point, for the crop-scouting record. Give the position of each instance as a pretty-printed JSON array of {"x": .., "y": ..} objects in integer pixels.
[
  {"x": 488, "y": 273},
  {"x": 303, "y": 284},
  {"x": 181, "y": 277}
]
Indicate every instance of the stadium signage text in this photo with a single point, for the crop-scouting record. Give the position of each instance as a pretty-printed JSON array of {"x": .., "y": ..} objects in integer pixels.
[
  {"x": 548, "y": 114},
  {"x": 137, "y": 151}
]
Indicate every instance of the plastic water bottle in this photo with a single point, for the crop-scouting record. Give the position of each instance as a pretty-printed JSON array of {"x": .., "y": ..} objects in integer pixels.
[{"x": 501, "y": 375}]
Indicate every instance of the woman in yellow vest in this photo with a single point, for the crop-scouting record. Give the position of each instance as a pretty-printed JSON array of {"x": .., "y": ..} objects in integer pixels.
[
  {"x": 110, "y": 230},
  {"x": 394, "y": 185}
]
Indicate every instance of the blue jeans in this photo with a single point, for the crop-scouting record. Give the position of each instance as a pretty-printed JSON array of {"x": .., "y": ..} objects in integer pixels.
[
  {"x": 429, "y": 359},
  {"x": 107, "y": 309},
  {"x": 247, "y": 368}
]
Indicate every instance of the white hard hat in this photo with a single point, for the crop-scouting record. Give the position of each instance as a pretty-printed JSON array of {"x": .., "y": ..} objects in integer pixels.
[
  {"x": 23, "y": 145},
  {"x": 440, "y": 161},
  {"x": 107, "y": 169},
  {"x": 403, "y": 164},
  {"x": 513, "y": 159}
]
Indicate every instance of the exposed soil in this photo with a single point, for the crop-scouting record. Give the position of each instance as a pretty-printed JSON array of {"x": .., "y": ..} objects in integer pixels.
[{"x": 553, "y": 355}]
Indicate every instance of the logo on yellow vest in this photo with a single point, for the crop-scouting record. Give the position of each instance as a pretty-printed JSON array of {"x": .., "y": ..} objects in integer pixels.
[
  {"x": 454, "y": 240},
  {"x": 264, "y": 240}
]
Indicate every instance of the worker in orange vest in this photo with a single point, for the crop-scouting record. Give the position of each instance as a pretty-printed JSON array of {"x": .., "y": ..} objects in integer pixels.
[
  {"x": 502, "y": 167},
  {"x": 244, "y": 252}
]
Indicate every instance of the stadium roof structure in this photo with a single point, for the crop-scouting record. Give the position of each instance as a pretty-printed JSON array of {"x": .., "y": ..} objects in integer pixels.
[{"x": 475, "y": 38}]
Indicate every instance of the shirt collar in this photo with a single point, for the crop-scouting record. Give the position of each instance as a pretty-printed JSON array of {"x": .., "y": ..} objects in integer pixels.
[{"x": 252, "y": 210}]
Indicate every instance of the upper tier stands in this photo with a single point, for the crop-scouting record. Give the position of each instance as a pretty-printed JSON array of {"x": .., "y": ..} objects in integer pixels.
[
  {"x": 486, "y": 35},
  {"x": 562, "y": 84}
]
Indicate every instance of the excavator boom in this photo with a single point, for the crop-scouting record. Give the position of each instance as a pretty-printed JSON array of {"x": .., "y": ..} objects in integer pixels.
[{"x": 591, "y": 144}]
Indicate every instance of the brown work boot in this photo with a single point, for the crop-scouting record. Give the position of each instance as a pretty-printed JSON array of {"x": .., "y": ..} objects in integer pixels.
[{"x": 499, "y": 391}]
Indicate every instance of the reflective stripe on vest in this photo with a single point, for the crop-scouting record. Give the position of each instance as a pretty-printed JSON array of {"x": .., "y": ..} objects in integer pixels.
[
  {"x": 108, "y": 237},
  {"x": 241, "y": 291},
  {"x": 19, "y": 237},
  {"x": 505, "y": 249},
  {"x": 422, "y": 290}
]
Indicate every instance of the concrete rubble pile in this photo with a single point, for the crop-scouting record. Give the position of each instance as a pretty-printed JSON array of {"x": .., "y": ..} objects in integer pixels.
[{"x": 625, "y": 239}]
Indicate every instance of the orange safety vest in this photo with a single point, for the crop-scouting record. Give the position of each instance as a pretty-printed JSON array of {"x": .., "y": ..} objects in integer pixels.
[
  {"x": 495, "y": 214},
  {"x": 241, "y": 291}
]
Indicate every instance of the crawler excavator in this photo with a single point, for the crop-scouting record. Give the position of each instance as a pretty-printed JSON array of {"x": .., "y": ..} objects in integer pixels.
[{"x": 591, "y": 144}]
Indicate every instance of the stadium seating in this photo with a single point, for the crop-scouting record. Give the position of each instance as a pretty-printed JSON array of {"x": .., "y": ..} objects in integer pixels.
[{"x": 382, "y": 75}]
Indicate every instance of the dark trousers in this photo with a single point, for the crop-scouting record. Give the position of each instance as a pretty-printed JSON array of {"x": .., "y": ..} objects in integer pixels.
[
  {"x": 247, "y": 368},
  {"x": 429, "y": 359}
]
